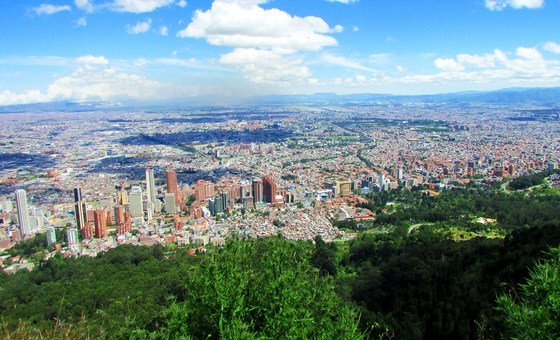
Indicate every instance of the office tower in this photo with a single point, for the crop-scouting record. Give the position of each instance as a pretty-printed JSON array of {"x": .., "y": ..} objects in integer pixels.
[
  {"x": 172, "y": 186},
  {"x": 87, "y": 230},
  {"x": 135, "y": 202},
  {"x": 79, "y": 208},
  {"x": 400, "y": 174},
  {"x": 151, "y": 187},
  {"x": 78, "y": 194},
  {"x": 169, "y": 203},
  {"x": 269, "y": 190},
  {"x": 203, "y": 190},
  {"x": 258, "y": 190},
  {"x": 119, "y": 214},
  {"x": 126, "y": 226},
  {"x": 72, "y": 236},
  {"x": 247, "y": 202},
  {"x": 22, "y": 213},
  {"x": 122, "y": 197},
  {"x": 100, "y": 223},
  {"x": 51, "y": 236}
]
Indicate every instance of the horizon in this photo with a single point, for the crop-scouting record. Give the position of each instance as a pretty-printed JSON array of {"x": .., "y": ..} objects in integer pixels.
[{"x": 168, "y": 50}]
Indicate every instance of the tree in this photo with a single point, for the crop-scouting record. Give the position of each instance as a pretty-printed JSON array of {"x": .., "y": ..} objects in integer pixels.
[{"x": 535, "y": 313}]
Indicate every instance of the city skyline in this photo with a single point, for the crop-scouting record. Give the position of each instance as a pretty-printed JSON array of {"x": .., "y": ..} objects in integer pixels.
[{"x": 164, "y": 50}]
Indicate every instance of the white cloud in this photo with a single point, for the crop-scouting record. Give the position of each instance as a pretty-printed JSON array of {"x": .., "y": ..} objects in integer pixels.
[
  {"x": 345, "y": 62},
  {"x": 498, "y": 5},
  {"x": 164, "y": 31},
  {"x": 140, "y": 27},
  {"x": 263, "y": 66},
  {"x": 343, "y": 1},
  {"x": 84, "y": 5},
  {"x": 263, "y": 40},
  {"x": 182, "y": 3},
  {"x": 92, "y": 79},
  {"x": 48, "y": 9},
  {"x": 449, "y": 65},
  {"x": 552, "y": 47},
  {"x": 260, "y": 28},
  {"x": 81, "y": 22},
  {"x": 139, "y": 6},
  {"x": 92, "y": 60}
]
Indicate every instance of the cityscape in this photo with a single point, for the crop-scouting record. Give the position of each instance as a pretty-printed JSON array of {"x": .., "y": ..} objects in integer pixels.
[
  {"x": 202, "y": 178},
  {"x": 243, "y": 169}
]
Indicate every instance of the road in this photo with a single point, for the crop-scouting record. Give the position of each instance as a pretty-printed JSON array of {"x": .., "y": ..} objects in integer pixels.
[{"x": 416, "y": 226}]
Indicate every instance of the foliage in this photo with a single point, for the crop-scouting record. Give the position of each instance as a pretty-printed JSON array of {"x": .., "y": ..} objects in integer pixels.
[
  {"x": 535, "y": 313},
  {"x": 259, "y": 289}
]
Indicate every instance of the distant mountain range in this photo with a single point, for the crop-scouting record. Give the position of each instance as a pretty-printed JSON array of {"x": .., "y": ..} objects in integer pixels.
[{"x": 538, "y": 96}]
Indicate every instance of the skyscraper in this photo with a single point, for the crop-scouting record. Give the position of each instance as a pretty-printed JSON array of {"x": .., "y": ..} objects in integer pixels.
[
  {"x": 269, "y": 190},
  {"x": 258, "y": 190},
  {"x": 79, "y": 208},
  {"x": 172, "y": 186},
  {"x": 150, "y": 187},
  {"x": 169, "y": 203},
  {"x": 51, "y": 236},
  {"x": 23, "y": 214},
  {"x": 100, "y": 223},
  {"x": 135, "y": 202},
  {"x": 72, "y": 236},
  {"x": 203, "y": 190}
]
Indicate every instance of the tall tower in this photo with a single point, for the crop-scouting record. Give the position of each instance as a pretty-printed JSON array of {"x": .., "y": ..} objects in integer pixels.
[
  {"x": 258, "y": 190},
  {"x": 80, "y": 208},
  {"x": 135, "y": 202},
  {"x": 172, "y": 186},
  {"x": 100, "y": 223},
  {"x": 269, "y": 189},
  {"x": 150, "y": 186},
  {"x": 23, "y": 214}
]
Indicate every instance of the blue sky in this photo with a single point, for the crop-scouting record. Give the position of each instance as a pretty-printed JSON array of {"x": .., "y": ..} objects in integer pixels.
[{"x": 172, "y": 49}]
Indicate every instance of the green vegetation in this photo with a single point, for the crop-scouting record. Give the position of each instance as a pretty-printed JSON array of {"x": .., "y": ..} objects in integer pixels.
[
  {"x": 535, "y": 313},
  {"x": 527, "y": 181},
  {"x": 434, "y": 273}
]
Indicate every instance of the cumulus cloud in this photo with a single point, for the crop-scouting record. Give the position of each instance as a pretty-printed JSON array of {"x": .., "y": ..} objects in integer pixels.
[
  {"x": 48, "y": 9},
  {"x": 446, "y": 64},
  {"x": 81, "y": 22},
  {"x": 140, "y": 27},
  {"x": 163, "y": 31},
  {"x": 84, "y": 5},
  {"x": 182, "y": 3},
  {"x": 259, "y": 27},
  {"x": 254, "y": 32},
  {"x": 139, "y": 6},
  {"x": 498, "y": 5},
  {"x": 91, "y": 79},
  {"x": 263, "y": 66},
  {"x": 92, "y": 60},
  {"x": 552, "y": 47}
]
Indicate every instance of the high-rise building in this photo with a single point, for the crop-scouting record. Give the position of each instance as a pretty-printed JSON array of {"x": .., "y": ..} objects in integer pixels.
[
  {"x": 22, "y": 213},
  {"x": 79, "y": 208},
  {"x": 51, "y": 236},
  {"x": 172, "y": 186},
  {"x": 119, "y": 214},
  {"x": 122, "y": 197},
  {"x": 150, "y": 187},
  {"x": 169, "y": 203},
  {"x": 258, "y": 191},
  {"x": 125, "y": 227},
  {"x": 135, "y": 202},
  {"x": 269, "y": 190},
  {"x": 100, "y": 223},
  {"x": 72, "y": 236},
  {"x": 87, "y": 230},
  {"x": 203, "y": 190}
]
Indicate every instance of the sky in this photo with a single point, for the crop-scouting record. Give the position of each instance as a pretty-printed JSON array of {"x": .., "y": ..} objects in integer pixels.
[{"x": 158, "y": 50}]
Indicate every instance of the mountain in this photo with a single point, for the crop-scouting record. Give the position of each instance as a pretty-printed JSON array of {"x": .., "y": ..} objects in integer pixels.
[{"x": 539, "y": 96}]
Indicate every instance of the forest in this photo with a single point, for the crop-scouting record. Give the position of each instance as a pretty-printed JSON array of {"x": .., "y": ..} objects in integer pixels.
[{"x": 397, "y": 284}]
